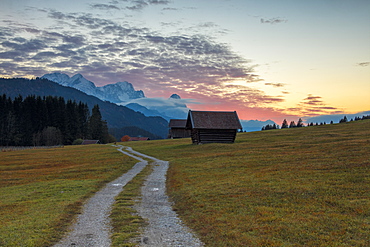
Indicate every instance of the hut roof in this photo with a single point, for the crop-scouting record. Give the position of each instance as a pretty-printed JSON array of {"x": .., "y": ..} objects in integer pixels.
[
  {"x": 177, "y": 123},
  {"x": 213, "y": 120},
  {"x": 87, "y": 142},
  {"x": 139, "y": 138}
]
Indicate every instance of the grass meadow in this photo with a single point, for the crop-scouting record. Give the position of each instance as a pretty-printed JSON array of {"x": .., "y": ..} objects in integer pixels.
[
  {"x": 42, "y": 190},
  {"x": 292, "y": 187}
]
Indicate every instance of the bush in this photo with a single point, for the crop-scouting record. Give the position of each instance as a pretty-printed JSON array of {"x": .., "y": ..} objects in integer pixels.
[{"x": 77, "y": 142}]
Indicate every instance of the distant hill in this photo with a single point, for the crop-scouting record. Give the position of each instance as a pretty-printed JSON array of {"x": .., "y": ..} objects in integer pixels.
[
  {"x": 116, "y": 116},
  {"x": 254, "y": 125}
]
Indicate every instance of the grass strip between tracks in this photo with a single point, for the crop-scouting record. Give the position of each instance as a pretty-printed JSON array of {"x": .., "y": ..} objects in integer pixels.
[{"x": 125, "y": 221}]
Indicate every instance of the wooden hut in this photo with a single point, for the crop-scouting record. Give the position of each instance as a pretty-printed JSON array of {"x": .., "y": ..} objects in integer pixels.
[
  {"x": 178, "y": 129},
  {"x": 213, "y": 126}
]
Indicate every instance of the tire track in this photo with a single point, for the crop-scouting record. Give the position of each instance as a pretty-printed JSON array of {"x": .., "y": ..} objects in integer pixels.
[{"x": 93, "y": 227}]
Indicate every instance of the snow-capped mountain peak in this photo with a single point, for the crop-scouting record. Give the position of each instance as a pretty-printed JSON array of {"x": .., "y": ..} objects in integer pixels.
[
  {"x": 59, "y": 78},
  {"x": 123, "y": 93},
  {"x": 79, "y": 82},
  {"x": 175, "y": 96},
  {"x": 116, "y": 93}
]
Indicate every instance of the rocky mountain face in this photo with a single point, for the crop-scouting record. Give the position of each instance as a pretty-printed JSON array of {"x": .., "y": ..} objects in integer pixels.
[
  {"x": 123, "y": 93},
  {"x": 115, "y": 93}
]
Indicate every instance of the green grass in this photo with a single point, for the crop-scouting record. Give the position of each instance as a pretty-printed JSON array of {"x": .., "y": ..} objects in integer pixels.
[
  {"x": 291, "y": 187},
  {"x": 125, "y": 220},
  {"x": 41, "y": 191}
]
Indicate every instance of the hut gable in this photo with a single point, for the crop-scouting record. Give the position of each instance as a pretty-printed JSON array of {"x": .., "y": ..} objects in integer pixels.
[
  {"x": 213, "y": 126},
  {"x": 178, "y": 129},
  {"x": 88, "y": 142}
]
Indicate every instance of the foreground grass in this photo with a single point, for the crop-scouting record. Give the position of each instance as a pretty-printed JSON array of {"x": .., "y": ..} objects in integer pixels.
[
  {"x": 42, "y": 190},
  {"x": 125, "y": 221},
  {"x": 292, "y": 187}
]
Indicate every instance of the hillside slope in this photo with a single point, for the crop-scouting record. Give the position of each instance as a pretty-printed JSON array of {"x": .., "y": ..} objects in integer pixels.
[
  {"x": 292, "y": 187},
  {"x": 116, "y": 116}
]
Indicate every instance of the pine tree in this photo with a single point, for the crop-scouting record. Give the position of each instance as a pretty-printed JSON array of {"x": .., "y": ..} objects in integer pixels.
[
  {"x": 300, "y": 123},
  {"x": 343, "y": 120},
  {"x": 39, "y": 121},
  {"x": 97, "y": 127},
  {"x": 284, "y": 124},
  {"x": 292, "y": 124},
  {"x": 83, "y": 118},
  {"x": 71, "y": 128}
]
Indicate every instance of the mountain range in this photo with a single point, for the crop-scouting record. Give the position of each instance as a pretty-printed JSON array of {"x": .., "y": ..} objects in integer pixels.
[
  {"x": 114, "y": 97},
  {"x": 117, "y": 117},
  {"x": 254, "y": 125},
  {"x": 123, "y": 93},
  {"x": 116, "y": 93}
]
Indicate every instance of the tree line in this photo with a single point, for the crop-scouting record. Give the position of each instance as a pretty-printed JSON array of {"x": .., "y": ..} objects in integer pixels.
[
  {"x": 300, "y": 123},
  {"x": 48, "y": 120}
]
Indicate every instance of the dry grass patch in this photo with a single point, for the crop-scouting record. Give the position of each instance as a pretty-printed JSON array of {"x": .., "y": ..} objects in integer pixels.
[
  {"x": 42, "y": 190},
  {"x": 292, "y": 187}
]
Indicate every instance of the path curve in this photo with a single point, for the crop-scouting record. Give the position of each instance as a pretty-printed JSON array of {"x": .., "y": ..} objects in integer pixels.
[
  {"x": 164, "y": 229},
  {"x": 93, "y": 228}
]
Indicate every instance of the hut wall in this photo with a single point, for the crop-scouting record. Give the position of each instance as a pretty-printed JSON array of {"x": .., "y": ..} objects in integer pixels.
[
  {"x": 179, "y": 133},
  {"x": 213, "y": 135}
]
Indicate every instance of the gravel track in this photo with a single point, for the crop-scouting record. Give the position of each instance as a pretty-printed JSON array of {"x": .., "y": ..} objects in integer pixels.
[
  {"x": 164, "y": 228},
  {"x": 93, "y": 228}
]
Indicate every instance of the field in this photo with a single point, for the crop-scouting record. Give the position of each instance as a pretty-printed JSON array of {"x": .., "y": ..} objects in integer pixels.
[
  {"x": 42, "y": 190},
  {"x": 291, "y": 187}
]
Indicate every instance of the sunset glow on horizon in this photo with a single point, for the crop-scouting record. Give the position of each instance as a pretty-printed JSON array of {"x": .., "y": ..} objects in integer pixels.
[{"x": 264, "y": 59}]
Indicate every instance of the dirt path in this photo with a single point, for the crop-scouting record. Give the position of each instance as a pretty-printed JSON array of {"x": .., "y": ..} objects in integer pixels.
[
  {"x": 93, "y": 229},
  {"x": 164, "y": 228}
]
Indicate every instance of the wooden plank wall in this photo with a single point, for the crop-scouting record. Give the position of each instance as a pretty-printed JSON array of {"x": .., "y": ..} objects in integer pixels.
[
  {"x": 179, "y": 133},
  {"x": 213, "y": 135}
]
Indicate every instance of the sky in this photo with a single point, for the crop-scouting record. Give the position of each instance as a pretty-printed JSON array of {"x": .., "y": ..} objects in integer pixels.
[{"x": 265, "y": 59}]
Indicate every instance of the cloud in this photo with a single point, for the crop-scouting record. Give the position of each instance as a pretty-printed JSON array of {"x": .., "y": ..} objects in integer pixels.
[
  {"x": 363, "y": 64},
  {"x": 313, "y": 106},
  {"x": 140, "y": 4},
  {"x": 170, "y": 108},
  {"x": 26, "y": 47},
  {"x": 172, "y": 9},
  {"x": 105, "y": 51},
  {"x": 104, "y": 6},
  {"x": 11, "y": 54},
  {"x": 45, "y": 56},
  {"x": 76, "y": 40},
  {"x": 276, "y": 20},
  {"x": 275, "y": 84}
]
